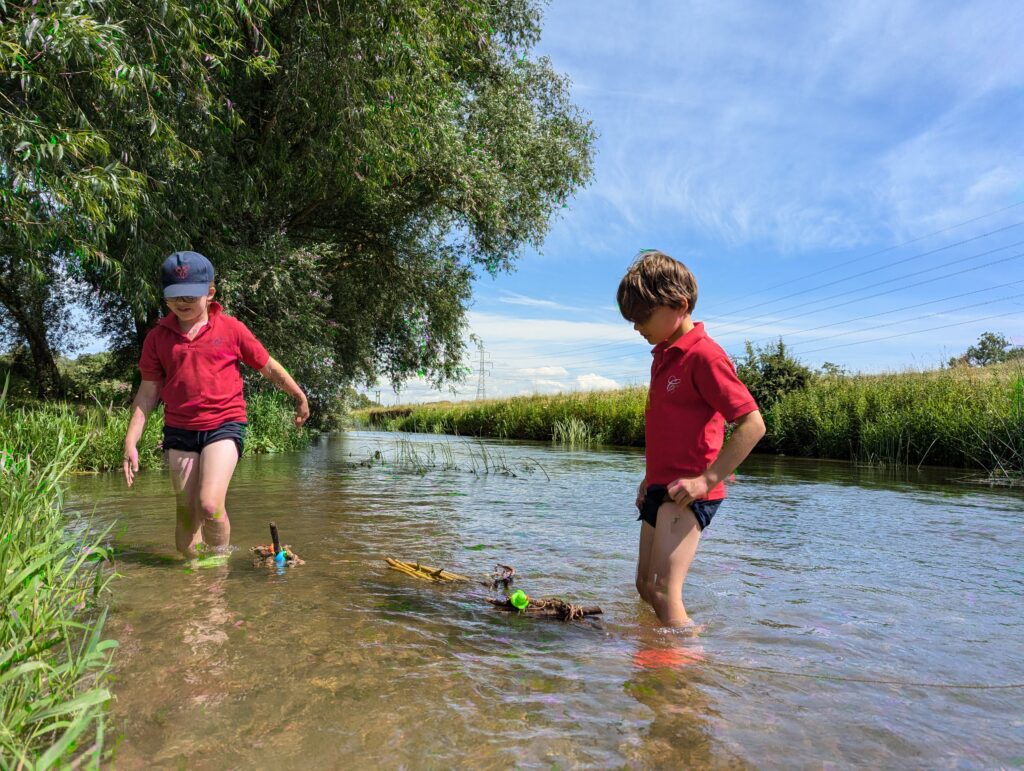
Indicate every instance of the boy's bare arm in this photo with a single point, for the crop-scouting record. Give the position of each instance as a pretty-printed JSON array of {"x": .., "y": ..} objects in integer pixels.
[
  {"x": 747, "y": 433},
  {"x": 146, "y": 399},
  {"x": 279, "y": 376}
]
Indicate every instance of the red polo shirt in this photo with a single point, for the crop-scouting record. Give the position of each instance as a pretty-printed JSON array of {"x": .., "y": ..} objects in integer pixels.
[
  {"x": 694, "y": 391},
  {"x": 201, "y": 381}
]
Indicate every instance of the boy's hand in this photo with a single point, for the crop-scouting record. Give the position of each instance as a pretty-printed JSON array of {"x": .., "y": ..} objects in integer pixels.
[
  {"x": 641, "y": 493},
  {"x": 131, "y": 464},
  {"x": 686, "y": 491},
  {"x": 301, "y": 412}
]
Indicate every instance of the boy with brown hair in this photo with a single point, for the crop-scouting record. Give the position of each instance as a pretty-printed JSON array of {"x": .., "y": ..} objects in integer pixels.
[{"x": 694, "y": 391}]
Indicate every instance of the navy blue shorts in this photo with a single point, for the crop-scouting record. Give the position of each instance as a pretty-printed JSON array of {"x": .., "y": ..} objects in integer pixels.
[
  {"x": 188, "y": 440},
  {"x": 658, "y": 494}
]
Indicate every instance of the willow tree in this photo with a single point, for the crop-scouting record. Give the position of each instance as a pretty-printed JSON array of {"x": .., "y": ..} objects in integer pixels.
[
  {"x": 91, "y": 99},
  {"x": 395, "y": 150},
  {"x": 349, "y": 171}
]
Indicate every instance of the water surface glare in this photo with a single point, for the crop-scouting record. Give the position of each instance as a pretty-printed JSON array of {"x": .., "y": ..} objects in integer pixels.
[{"x": 813, "y": 578}]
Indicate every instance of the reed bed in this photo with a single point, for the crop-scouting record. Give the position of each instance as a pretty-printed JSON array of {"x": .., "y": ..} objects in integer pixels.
[
  {"x": 53, "y": 658},
  {"x": 964, "y": 417},
  {"x": 100, "y": 430},
  {"x": 424, "y": 457}
]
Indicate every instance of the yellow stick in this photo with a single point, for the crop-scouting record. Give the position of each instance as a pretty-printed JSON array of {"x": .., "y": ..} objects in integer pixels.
[{"x": 426, "y": 572}]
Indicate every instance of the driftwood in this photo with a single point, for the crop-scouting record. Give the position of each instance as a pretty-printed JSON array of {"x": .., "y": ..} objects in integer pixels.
[
  {"x": 263, "y": 557},
  {"x": 548, "y": 607},
  {"x": 424, "y": 572},
  {"x": 501, "y": 578}
]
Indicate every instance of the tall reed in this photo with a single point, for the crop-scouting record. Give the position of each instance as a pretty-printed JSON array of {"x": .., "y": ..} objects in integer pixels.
[
  {"x": 53, "y": 658},
  {"x": 971, "y": 418},
  {"x": 100, "y": 429}
]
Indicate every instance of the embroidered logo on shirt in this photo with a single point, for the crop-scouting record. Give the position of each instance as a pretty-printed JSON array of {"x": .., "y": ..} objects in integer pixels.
[{"x": 672, "y": 383}]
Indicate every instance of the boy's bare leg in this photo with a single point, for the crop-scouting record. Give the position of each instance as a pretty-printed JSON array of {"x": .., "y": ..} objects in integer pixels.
[
  {"x": 216, "y": 466},
  {"x": 675, "y": 543},
  {"x": 185, "y": 479},
  {"x": 644, "y": 574}
]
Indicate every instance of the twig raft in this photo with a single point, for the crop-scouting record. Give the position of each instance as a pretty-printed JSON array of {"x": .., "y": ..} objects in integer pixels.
[
  {"x": 263, "y": 557},
  {"x": 423, "y": 572},
  {"x": 549, "y": 607}
]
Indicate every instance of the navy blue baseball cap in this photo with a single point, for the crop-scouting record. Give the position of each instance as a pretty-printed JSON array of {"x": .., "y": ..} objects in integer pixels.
[{"x": 186, "y": 274}]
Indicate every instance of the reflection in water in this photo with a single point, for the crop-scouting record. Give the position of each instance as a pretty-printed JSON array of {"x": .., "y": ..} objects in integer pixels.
[{"x": 808, "y": 569}]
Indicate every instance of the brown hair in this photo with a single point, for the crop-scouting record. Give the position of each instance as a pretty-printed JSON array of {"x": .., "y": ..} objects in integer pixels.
[{"x": 652, "y": 280}]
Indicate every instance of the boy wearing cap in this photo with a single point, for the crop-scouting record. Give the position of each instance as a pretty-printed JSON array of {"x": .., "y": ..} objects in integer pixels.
[
  {"x": 694, "y": 391},
  {"x": 190, "y": 362}
]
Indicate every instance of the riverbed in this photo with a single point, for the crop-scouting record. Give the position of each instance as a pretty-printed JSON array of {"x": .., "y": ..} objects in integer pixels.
[{"x": 846, "y": 615}]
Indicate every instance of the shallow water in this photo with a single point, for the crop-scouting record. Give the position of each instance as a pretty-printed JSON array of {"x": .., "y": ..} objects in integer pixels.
[{"x": 814, "y": 580}]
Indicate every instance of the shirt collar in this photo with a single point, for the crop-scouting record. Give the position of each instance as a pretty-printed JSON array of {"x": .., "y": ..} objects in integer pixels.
[
  {"x": 170, "y": 321},
  {"x": 685, "y": 342}
]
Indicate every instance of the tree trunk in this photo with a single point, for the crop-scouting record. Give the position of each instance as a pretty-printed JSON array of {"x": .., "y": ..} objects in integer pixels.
[{"x": 25, "y": 303}]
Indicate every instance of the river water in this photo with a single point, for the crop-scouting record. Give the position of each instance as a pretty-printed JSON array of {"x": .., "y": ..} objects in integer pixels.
[{"x": 836, "y": 605}]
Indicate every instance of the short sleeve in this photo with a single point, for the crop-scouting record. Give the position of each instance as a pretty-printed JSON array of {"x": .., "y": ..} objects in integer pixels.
[
  {"x": 150, "y": 366},
  {"x": 250, "y": 350},
  {"x": 720, "y": 387}
]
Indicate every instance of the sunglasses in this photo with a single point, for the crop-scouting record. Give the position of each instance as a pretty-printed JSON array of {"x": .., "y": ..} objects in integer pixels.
[{"x": 182, "y": 299}]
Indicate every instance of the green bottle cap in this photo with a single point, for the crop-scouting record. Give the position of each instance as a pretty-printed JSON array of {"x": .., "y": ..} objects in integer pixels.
[{"x": 519, "y": 599}]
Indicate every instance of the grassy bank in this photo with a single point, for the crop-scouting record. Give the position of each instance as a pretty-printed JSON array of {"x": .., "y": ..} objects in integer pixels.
[
  {"x": 53, "y": 658},
  {"x": 43, "y": 426},
  {"x": 966, "y": 417}
]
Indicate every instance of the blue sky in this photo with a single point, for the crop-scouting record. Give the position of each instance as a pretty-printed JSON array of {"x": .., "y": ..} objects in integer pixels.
[{"x": 833, "y": 173}]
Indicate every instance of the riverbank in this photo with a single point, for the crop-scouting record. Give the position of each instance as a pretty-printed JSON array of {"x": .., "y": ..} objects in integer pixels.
[
  {"x": 42, "y": 427},
  {"x": 970, "y": 418},
  {"x": 53, "y": 658}
]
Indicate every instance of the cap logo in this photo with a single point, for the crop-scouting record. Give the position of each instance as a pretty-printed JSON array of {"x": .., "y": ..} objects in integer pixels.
[{"x": 182, "y": 271}]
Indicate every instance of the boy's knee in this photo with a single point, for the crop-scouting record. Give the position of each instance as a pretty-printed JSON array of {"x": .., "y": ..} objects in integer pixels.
[{"x": 212, "y": 510}]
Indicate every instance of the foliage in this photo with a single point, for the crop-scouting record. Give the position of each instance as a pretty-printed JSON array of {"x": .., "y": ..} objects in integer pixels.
[
  {"x": 53, "y": 658},
  {"x": 93, "y": 99},
  {"x": 770, "y": 372},
  {"x": 609, "y": 417},
  {"x": 96, "y": 378},
  {"x": 358, "y": 162},
  {"x": 35, "y": 313},
  {"x": 99, "y": 430},
  {"x": 962, "y": 417},
  {"x": 992, "y": 348},
  {"x": 100, "y": 105}
]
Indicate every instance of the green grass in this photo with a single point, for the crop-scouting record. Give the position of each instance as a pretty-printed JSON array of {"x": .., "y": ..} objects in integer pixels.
[
  {"x": 969, "y": 418},
  {"x": 53, "y": 658},
  {"x": 100, "y": 430}
]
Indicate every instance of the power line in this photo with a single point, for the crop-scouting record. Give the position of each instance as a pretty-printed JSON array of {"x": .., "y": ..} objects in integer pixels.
[
  {"x": 1016, "y": 256},
  {"x": 891, "y": 265},
  {"x": 892, "y": 248},
  {"x": 956, "y": 296},
  {"x": 621, "y": 345},
  {"x": 914, "y": 332},
  {"x": 904, "y": 321}
]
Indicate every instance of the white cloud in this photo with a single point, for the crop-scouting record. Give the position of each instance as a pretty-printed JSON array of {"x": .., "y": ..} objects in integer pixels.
[
  {"x": 492, "y": 328},
  {"x": 513, "y": 298},
  {"x": 548, "y": 385},
  {"x": 804, "y": 127},
  {"x": 594, "y": 382},
  {"x": 545, "y": 372}
]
